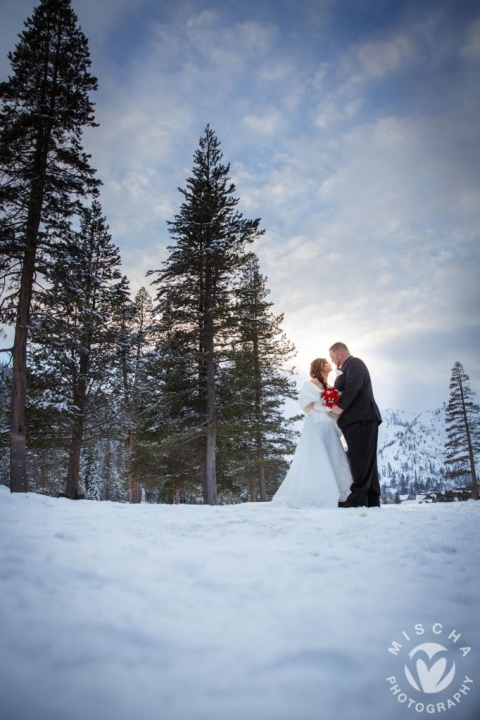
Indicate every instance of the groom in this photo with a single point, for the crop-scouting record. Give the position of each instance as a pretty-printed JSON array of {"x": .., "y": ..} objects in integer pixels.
[{"x": 358, "y": 419}]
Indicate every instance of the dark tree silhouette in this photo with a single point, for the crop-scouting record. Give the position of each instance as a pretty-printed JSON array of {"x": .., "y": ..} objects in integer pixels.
[
  {"x": 462, "y": 419},
  {"x": 196, "y": 298},
  {"x": 43, "y": 172}
]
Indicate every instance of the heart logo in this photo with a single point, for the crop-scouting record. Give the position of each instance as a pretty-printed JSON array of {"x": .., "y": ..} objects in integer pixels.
[{"x": 433, "y": 678}]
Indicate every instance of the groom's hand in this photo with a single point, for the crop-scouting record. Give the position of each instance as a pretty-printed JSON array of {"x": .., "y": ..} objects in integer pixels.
[{"x": 336, "y": 410}]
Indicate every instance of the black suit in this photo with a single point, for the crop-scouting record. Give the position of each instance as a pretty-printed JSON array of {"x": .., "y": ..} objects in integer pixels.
[{"x": 359, "y": 423}]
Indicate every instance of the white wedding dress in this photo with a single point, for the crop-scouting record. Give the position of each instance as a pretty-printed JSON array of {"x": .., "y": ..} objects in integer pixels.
[{"x": 319, "y": 475}]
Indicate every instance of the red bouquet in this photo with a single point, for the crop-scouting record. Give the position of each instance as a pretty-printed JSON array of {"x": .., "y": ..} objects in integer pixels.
[{"x": 330, "y": 397}]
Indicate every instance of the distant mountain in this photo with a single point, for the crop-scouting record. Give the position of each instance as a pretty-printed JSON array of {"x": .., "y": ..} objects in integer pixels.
[{"x": 411, "y": 452}]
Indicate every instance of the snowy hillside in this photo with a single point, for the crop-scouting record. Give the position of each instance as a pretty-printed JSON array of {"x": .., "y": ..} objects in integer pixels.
[
  {"x": 411, "y": 449},
  {"x": 245, "y": 612}
]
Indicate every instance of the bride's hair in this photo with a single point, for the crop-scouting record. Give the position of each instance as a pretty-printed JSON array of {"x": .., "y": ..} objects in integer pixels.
[{"x": 316, "y": 367}]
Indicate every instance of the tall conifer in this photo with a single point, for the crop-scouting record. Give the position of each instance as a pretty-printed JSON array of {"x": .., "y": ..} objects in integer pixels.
[
  {"x": 77, "y": 334},
  {"x": 43, "y": 171},
  {"x": 462, "y": 419},
  {"x": 195, "y": 296},
  {"x": 135, "y": 342},
  {"x": 256, "y": 384}
]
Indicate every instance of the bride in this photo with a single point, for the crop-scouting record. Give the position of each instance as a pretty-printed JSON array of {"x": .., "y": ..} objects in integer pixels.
[{"x": 319, "y": 475}]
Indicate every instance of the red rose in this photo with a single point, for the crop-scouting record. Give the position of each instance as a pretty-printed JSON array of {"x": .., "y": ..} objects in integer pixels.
[{"x": 330, "y": 397}]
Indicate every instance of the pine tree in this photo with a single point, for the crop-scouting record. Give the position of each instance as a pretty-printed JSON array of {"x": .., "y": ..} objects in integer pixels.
[
  {"x": 256, "y": 384},
  {"x": 462, "y": 420},
  {"x": 135, "y": 342},
  {"x": 168, "y": 443},
  {"x": 195, "y": 297},
  {"x": 77, "y": 332},
  {"x": 43, "y": 173},
  {"x": 91, "y": 476},
  {"x": 113, "y": 484},
  {"x": 5, "y": 393}
]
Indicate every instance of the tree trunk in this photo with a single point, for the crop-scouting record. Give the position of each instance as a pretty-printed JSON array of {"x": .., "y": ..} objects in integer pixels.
[
  {"x": 258, "y": 419},
  {"x": 134, "y": 489},
  {"x": 80, "y": 399},
  {"x": 210, "y": 464},
  {"x": 107, "y": 469},
  {"x": 130, "y": 477},
  {"x": 73, "y": 471},
  {"x": 138, "y": 491},
  {"x": 210, "y": 472},
  {"x": 18, "y": 441},
  {"x": 43, "y": 472},
  {"x": 261, "y": 480},
  {"x": 134, "y": 486},
  {"x": 211, "y": 444},
  {"x": 203, "y": 469}
]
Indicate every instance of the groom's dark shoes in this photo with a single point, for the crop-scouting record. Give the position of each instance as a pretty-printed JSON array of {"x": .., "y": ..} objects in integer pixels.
[{"x": 346, "y": 504}]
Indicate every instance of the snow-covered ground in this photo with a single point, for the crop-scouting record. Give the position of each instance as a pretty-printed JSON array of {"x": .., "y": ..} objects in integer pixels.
[{"x": 158, "y": 612}]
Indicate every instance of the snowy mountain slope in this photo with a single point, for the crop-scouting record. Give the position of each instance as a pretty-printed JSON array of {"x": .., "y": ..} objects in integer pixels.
[
  {"x": 245, "y": 612},
  {"x": 411, "y": 449}
]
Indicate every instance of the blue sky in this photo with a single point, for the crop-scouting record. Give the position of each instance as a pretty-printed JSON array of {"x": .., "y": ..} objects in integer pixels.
[{"x": 352, "y": 129}]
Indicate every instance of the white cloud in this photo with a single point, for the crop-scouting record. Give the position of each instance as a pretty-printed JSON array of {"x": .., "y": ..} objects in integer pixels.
[
  {"x": 269, "y": 123},
  {"x": 471, "y": 47},
  {"x": 276, "y": 70},
  {"x": 229, "y": 46},
  {"x": 379, "y": 58},
  {"x": 396, "y": 263},
  {"x": 371, "y": 211}
]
